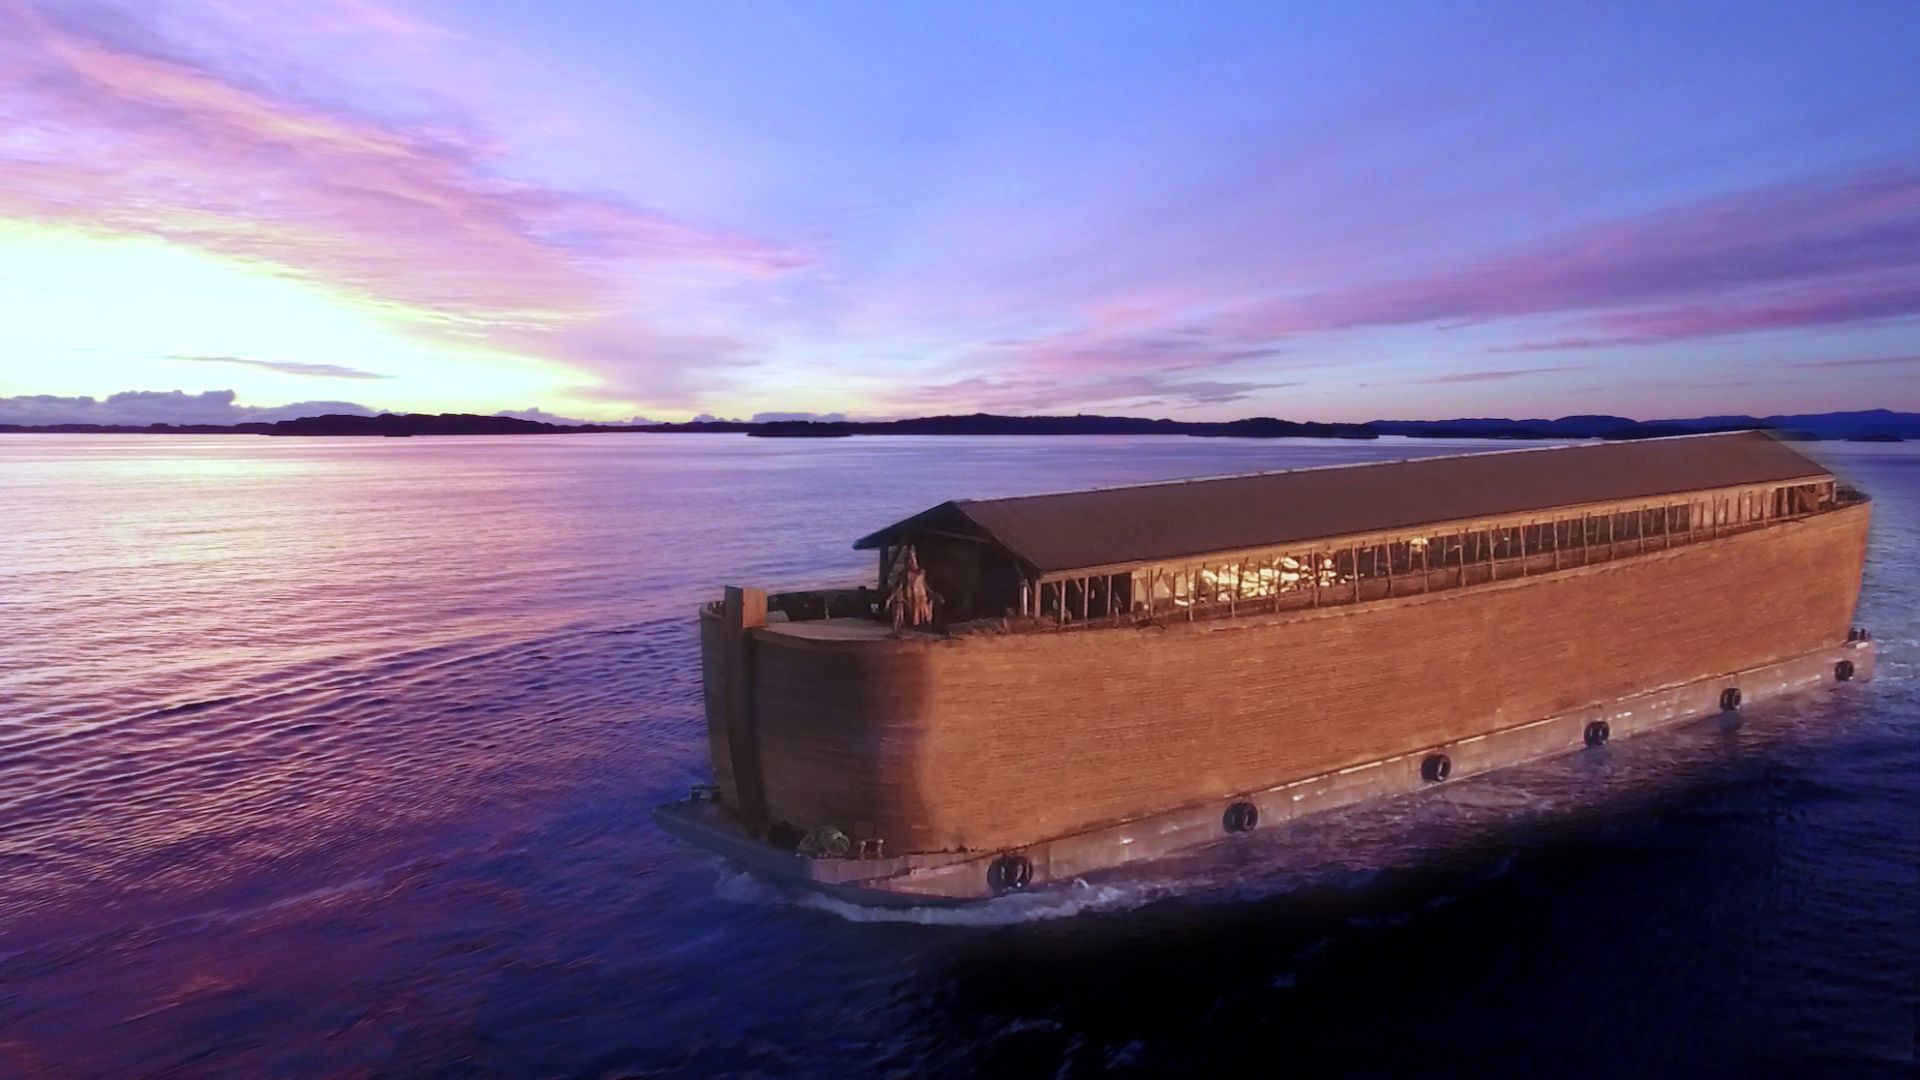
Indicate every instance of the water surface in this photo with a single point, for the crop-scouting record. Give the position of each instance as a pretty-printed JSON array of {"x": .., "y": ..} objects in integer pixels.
[{"x": 335, "y": 756}]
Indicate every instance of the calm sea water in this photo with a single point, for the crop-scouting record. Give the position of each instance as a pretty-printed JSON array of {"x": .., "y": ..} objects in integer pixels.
[{"x": 334, "y": 757}]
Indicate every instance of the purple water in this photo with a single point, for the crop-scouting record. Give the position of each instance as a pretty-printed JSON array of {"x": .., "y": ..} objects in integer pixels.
[{"x": 334, "y": 757}]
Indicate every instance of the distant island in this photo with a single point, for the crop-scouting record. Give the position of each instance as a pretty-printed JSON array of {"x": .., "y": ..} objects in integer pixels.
[{"x": 1872, "y": 425}]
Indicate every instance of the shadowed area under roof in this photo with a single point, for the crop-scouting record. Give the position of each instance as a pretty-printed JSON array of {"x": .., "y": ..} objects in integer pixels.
[{"x": 1184, "y": 518}]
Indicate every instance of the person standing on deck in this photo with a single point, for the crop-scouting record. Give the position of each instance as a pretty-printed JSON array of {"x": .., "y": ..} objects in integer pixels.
[{"x": 910, "y": 602}]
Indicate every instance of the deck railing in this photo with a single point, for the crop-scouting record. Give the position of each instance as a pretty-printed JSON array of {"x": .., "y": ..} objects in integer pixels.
[{"x": 1315, "y": 586}]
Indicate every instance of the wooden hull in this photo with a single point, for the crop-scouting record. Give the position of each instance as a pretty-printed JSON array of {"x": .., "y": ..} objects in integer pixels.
[
  {"x": 948, "y": 877},
  {"x": 954, "y": 749}
]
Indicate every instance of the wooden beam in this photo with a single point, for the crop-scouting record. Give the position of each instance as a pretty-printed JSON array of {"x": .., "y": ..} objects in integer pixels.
[{"x": 742, "y": 610}]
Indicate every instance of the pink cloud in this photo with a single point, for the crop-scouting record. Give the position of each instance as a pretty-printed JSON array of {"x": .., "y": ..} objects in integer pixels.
[
  {"x": 1112, "y": 345},
  {"x": 1827, "y": 250},
  {"x": 1821, "y": 304},
  {"x": 1874, "y": 361},
  {"x": 139, "y": 127},
  {"x": 1017, "y": 393},
  {"x": 1489, "y": 376}
]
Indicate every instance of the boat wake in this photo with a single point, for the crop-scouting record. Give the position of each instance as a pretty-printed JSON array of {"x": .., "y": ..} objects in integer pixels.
[{"x": 1064, "y": 901}]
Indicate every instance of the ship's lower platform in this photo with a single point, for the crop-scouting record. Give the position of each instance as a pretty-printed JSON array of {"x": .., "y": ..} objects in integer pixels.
[{"x": 946, "y": 877}]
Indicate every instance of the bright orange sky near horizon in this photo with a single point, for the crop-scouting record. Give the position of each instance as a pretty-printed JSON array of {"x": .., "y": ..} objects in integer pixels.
[{"x": 238, "y": 210}]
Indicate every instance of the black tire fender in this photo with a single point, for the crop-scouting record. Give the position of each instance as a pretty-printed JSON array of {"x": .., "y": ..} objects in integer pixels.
[
  {"x": 1240, "y": 817},
  {"x": 1009, "y": 873}
]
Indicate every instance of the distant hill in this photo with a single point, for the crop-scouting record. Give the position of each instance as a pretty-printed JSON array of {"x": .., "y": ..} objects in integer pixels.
[
  {"x": 1879, "y": 425},
  {"x": 1865, "y": 424}
]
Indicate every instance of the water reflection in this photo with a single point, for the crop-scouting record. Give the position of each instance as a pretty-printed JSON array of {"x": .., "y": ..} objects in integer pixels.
[{"x": 325, "y": 757}]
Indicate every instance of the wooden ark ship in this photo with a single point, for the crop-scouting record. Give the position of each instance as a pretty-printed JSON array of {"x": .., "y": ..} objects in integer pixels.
[{"x": 1113, "y": 674}]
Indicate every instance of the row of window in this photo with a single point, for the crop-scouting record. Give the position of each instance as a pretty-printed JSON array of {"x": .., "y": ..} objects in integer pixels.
[{"x": 1415, "y": 563}]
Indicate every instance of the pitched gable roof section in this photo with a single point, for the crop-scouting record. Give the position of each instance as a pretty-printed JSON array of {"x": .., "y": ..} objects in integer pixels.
[{"x": 1177, "y": 519}]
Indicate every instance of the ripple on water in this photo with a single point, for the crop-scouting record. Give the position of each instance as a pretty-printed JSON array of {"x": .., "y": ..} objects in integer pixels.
[{"x": 328, "y": 758}]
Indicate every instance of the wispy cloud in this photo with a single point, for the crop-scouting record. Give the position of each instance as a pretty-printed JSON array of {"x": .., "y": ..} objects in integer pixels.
[
  {"x": 289, "y": 367},
  {"x": 1031, "y": 393},
  {"x": 198, "y": 127},
  {"x": 1490, "y": 376},
  {"x": 1827, "y": 250},
  {"x": 1875, "y": 361}
]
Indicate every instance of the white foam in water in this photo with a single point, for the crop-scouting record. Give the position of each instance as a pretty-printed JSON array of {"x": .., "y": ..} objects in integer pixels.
[{"x": 1055, "y": 902}]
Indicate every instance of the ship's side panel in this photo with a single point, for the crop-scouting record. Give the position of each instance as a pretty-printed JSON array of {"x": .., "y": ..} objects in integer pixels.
[
  {"x": 842, "y": 734},
  {"x": 987, "y": 741},
  {"x": 713, "y": 673}
]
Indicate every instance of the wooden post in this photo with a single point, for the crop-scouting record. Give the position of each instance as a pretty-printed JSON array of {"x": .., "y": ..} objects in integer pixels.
[
  {"x": 1353, "y": 556},
  {"x": 741, "y": 611}
]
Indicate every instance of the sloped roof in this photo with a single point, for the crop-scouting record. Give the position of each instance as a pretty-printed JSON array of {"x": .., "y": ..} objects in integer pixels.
[{"x": 1183, "y": 518}]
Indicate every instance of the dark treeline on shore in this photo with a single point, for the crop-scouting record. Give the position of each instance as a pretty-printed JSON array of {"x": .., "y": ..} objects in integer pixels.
[{"x": 1872, "y": 425}]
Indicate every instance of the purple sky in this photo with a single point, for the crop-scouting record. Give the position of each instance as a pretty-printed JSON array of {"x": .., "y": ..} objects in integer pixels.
[{"x": 233, "y": 208}]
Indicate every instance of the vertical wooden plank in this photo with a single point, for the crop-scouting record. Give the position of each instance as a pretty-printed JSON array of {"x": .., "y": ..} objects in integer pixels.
[{"x": 742, "y": 610}]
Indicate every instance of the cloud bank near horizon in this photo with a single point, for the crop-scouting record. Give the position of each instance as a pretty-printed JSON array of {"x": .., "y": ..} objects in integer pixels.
[{"x": 140, "y": 408}]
